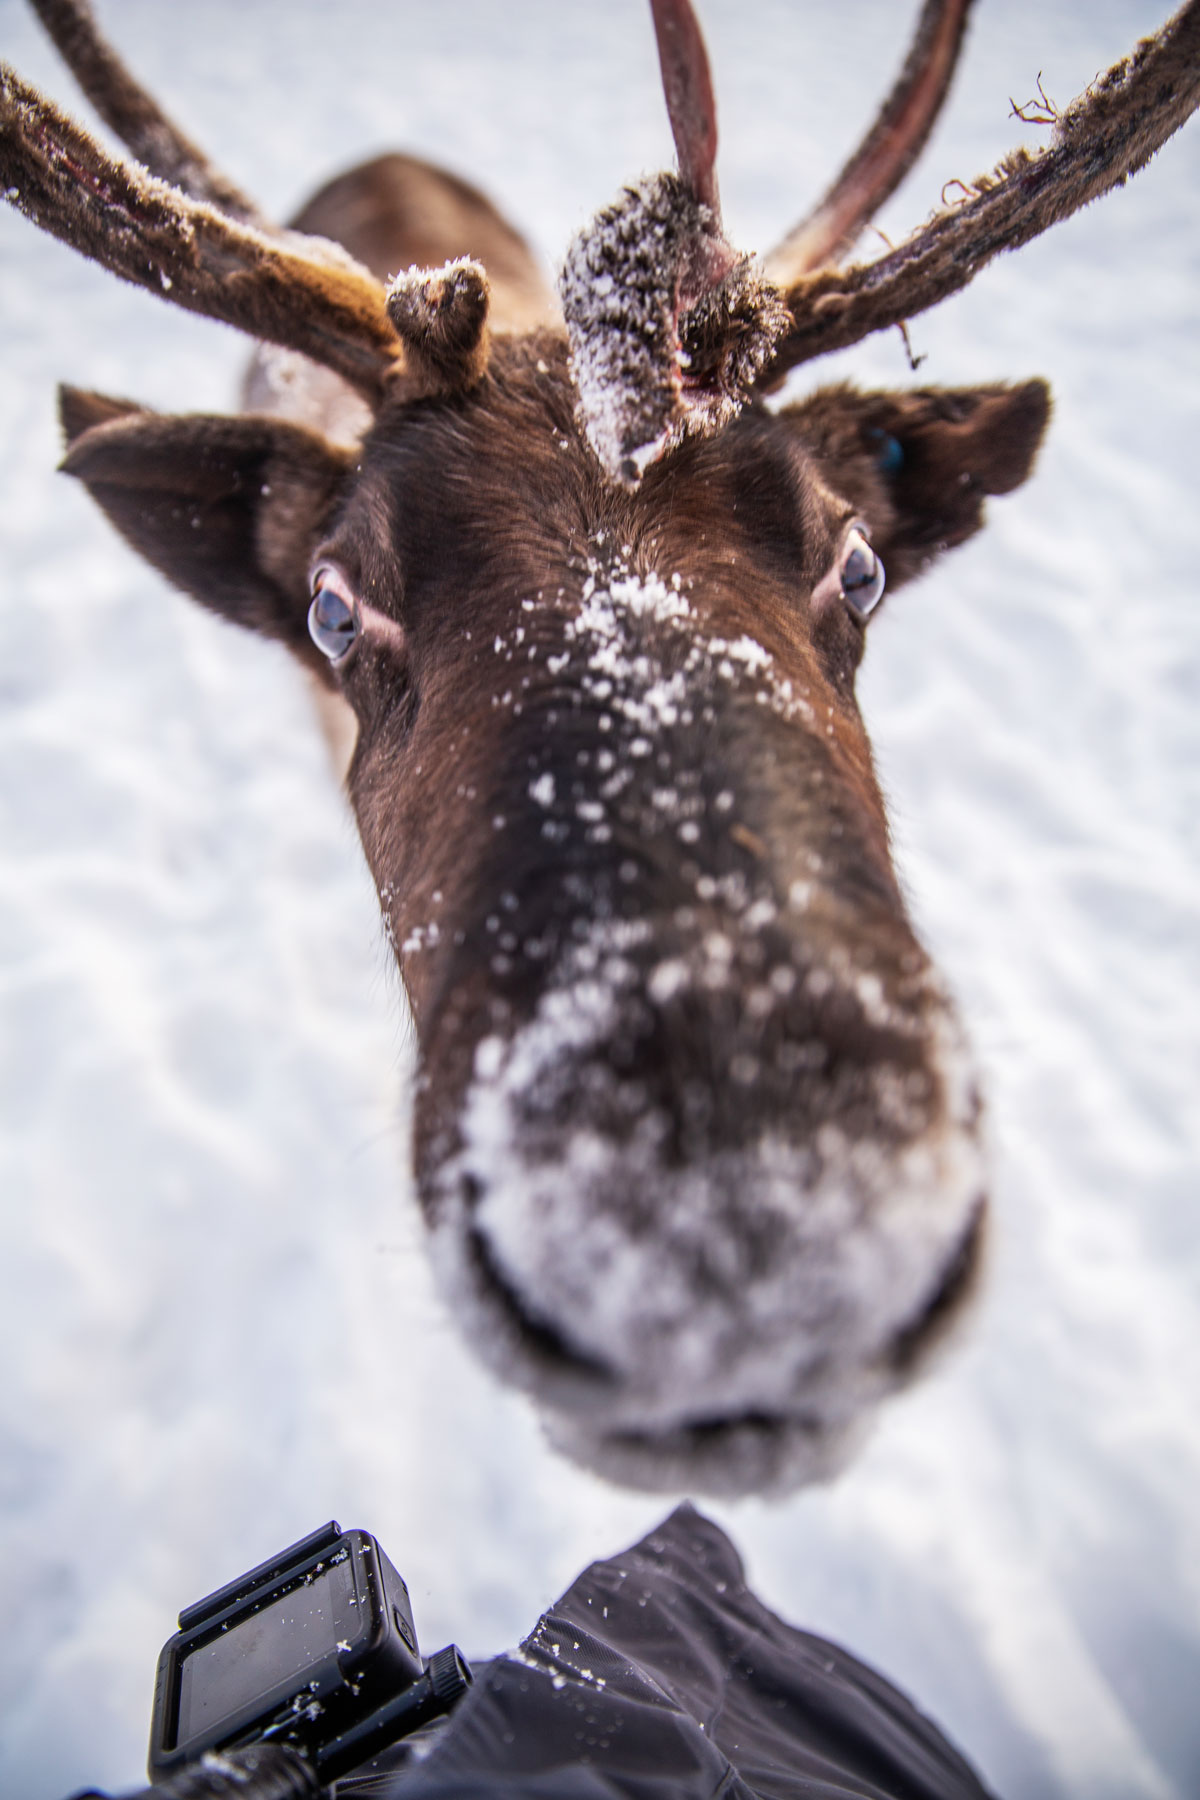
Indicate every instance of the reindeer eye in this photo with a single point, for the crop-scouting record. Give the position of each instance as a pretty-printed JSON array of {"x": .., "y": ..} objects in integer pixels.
[
  {"x": 861, "y": 575},
  {"x": 333, "y": 618}
]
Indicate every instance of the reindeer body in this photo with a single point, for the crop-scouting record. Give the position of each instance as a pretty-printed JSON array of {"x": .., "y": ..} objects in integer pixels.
[{"x": 696, "y": 1137}]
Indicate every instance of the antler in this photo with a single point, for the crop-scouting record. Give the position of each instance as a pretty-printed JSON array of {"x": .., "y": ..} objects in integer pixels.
[
  {"x": 887, "y": 152},
  {"x": 136, "y": 118},
  {"x": 193, "y": 236},
  {"x": 1106, "y": 135},
  {"x": 299, "y": 292},
  {"x": 688, "y": 91},
  {"x": 669, "y": 327}
]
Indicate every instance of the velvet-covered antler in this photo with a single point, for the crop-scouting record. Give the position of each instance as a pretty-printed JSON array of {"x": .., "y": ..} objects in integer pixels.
[
  {"x": 301, "y": 293},
  {"x": 886, "y": 154},
  {"x": 1103, "y": 137},
  {"x": 185, "y": 231},
  {"x": 669, "y": 326},
  {"x": 671, "y": 330},
  {"x": 134, "y": 115}
]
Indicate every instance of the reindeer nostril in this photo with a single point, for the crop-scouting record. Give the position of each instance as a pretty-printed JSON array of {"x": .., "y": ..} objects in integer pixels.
[
  {"x": 540, "y": 1335},
  {"x": 958, "y": 1280}
]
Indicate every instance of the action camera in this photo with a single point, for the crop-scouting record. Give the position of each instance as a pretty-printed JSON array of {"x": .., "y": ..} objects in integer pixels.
[{"x": 314, "y": 1650}]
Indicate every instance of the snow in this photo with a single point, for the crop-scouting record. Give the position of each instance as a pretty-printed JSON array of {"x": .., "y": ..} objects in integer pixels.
[
  {"x": 219, "y": 1326},
  {"x": 645, "y": 277}
]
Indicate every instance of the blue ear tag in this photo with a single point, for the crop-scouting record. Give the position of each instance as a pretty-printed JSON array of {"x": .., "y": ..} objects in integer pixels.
[{"x": 889, "y": 459}]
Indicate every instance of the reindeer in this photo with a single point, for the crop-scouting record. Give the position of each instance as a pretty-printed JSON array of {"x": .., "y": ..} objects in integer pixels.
[{"x": 696, "y": 1130}]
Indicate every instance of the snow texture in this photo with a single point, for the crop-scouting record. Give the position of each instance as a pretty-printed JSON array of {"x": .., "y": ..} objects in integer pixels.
[{"x": 218, "y": 1325}]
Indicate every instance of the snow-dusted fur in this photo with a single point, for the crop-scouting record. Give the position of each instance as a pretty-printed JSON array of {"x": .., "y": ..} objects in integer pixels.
[
  {"x": 770, "y": 1282},
  {"x": 669, "y": 328},
  {"x": 714, "y": 1304}
]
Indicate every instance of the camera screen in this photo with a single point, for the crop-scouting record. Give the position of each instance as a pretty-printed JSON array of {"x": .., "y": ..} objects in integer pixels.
[{"x": 218, "y": 1678}]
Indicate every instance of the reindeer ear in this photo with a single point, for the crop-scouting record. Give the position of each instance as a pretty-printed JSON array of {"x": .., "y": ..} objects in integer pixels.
[
  {"x": 226, "y": 508},
  {"x": 919, "y": 465}
]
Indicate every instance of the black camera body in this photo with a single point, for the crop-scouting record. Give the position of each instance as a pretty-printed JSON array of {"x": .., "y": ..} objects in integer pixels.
[{"x": 305, "y": 1651}]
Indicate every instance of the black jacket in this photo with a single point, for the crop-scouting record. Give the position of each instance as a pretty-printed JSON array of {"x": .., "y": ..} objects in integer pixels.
[{"x": 659, "y": 1674}]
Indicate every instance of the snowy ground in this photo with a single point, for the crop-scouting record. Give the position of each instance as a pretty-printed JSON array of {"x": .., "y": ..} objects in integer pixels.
[{"x": 217, "y": 1326}]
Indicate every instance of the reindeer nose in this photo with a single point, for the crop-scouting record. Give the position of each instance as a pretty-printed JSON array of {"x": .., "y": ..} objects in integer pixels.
[{"x": 542, "y": 1336}]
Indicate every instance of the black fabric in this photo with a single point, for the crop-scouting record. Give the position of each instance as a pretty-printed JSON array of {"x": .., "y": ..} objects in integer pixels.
[{"x": 660, "y": 1674}]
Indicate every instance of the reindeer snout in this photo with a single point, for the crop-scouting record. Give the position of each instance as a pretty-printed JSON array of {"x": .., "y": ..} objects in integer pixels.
[{"x": 692, "y": 1285}]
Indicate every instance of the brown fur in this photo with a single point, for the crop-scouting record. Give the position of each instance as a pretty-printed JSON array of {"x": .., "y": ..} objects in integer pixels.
[
  {"x": 398, "y": 212},
  {"x": 440, "y": 316},
  {"x": 957, "y": 447}
]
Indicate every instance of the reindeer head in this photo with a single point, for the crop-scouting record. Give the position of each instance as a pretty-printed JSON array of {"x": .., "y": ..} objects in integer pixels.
[{"x": 696, "y": 1132}]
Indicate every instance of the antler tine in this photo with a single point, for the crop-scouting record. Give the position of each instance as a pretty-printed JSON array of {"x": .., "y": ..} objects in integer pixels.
[
  {"x": 297, "y": 292},
  {"x": 1107, "y": 134},
  {"x": 129, "y": 111},
  {"x": 887, "y": 152},
  {"x": 688, "y": 90}
]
